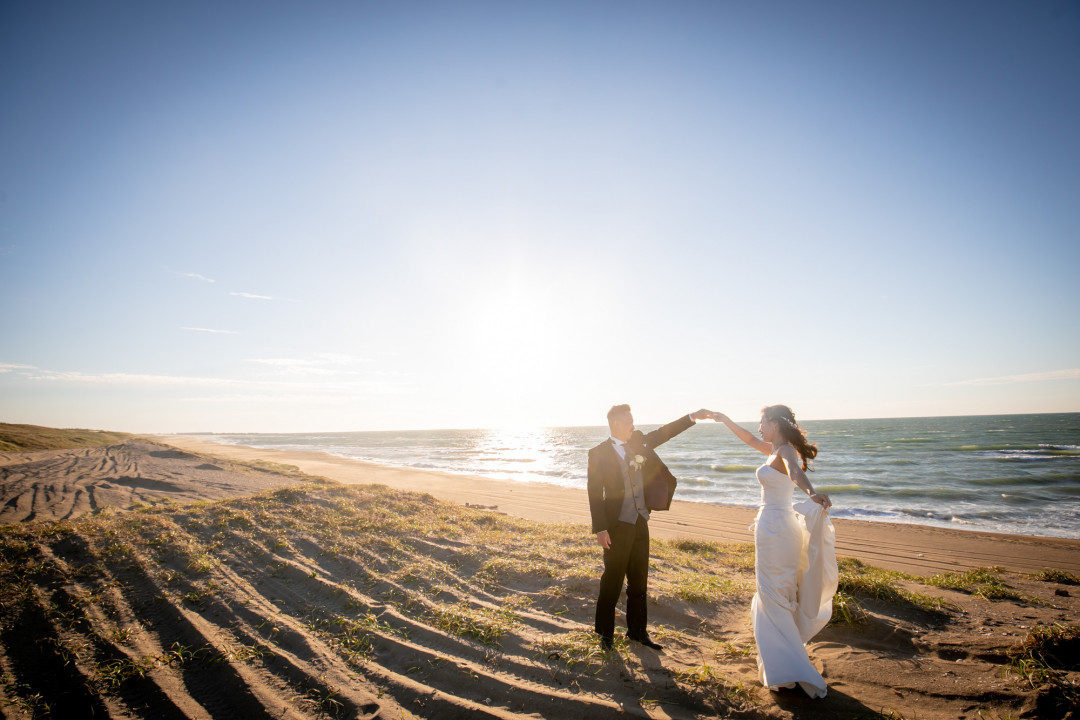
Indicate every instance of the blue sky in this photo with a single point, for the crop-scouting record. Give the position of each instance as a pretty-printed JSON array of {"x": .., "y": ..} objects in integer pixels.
[{"x": 343, "y": 216}]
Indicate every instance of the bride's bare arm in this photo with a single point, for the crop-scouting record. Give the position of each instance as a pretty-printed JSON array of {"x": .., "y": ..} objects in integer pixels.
[
  {"x": 791, "y": 459},
  {"x": 743, "y": 434}
]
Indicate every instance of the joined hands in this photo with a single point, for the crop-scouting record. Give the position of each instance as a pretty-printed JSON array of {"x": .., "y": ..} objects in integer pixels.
[
  {"x": 704, "y": 414},
  {"x": 709, "y": 415}
]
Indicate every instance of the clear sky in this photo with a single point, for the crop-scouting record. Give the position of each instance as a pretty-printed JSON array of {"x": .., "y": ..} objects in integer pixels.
[{"x": 283, "y": 216}]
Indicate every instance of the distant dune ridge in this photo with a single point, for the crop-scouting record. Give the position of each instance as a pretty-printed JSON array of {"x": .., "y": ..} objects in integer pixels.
[
  {"x": 35, "y": 437},
  {"x": 299, "y": 597}
]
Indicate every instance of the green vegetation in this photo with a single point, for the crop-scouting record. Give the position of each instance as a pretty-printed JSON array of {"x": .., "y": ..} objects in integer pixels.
[
  {"x": 1056, "y": 576},
  {"x": 710, "y": 682},
  {"x": 859, "y": 580},
  {"x": 687, "y": 570},
  {"x": 1043, "y": 660},
  {"x": 983, "y": 582},
  {"x": 273, "y": 467},
  {"x": 365, "y": 577},
  {"x": 356, "y": 568},
  {"x": 486, "y": 625},
  {"x": 1056, "y": 647},
  {"x": 19, "y": 438},
  {"x": 580, "y": 650},
  {"x": 847, "y": 610}
]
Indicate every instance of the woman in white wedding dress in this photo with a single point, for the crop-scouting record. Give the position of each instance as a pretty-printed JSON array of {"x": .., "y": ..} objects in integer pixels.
[{"x": 795, "y": 557}]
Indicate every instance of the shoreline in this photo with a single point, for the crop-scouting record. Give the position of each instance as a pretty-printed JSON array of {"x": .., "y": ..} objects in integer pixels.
[
  {"x": 911, "y": 548},
  {"x": 963, "y": 527}
]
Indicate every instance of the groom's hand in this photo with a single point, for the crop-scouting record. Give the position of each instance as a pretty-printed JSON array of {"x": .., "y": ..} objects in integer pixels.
[
  {"x": 702, "y": 414},
  {"x": 604, "y": 539}
]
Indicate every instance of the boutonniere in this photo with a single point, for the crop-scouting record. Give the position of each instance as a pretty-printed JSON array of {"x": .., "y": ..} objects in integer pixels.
[{"x": 637, "y": 461}]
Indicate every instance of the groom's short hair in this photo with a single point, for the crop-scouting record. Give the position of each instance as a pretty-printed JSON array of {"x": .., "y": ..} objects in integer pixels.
[{"x": 615, "y": 411}]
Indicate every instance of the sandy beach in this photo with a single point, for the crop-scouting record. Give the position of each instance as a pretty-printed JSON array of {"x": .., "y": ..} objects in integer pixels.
[
  {"x": 915, "y": 549},
  {"x": 196, "y": 580}
]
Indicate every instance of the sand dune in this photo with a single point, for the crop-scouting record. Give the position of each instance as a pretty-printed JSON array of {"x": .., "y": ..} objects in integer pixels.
[
  {"x": 330, "y": 600},
  {"x": 362, "y": 601}
]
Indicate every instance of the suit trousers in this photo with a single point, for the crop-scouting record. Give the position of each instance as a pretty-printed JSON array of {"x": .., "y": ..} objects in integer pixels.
[{"x": 628, "y": 557}]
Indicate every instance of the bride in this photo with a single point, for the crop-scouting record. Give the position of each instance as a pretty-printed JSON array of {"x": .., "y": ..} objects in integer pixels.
[{"x": 795, "y": 559}]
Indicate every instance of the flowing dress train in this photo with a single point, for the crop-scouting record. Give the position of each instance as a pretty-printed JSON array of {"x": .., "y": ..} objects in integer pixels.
[{"x": 795, "y": 564}]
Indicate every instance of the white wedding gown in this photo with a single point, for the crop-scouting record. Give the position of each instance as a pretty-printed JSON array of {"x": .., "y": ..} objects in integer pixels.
[{"x": 796, "y": 579}]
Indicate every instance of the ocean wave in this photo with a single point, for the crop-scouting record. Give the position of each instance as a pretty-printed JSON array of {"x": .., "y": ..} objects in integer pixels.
[
  {"x": 1065, "y": 481},
  {"x": 556, "y": 474},
  {"x": 925, "y": 513},
  {"x": 861, "y": 512},
  {"x": 732, "y": 468},
  {"x": 1015, "y": 449},
  {"x": 1028, "y": 455},
  {"x": 937, "y": 492},
  {"x": 838, "y": 488},
  {"x": 986, "y": 448},
  {"x": 698, "y": 481}
]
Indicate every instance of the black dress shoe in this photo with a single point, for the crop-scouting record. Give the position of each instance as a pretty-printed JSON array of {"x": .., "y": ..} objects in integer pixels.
[
  {"x": 606, "y": 642},
  {"x": 644, "y": 640}
]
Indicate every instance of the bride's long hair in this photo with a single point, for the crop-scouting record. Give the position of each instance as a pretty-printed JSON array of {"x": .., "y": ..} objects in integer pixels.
[{"x": 791, "y": 432}]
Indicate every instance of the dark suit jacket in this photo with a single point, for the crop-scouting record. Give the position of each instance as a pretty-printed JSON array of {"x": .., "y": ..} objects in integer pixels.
[{"x": 605, "y": 486}]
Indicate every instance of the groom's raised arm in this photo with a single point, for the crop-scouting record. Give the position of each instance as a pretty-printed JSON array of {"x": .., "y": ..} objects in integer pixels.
[{"x": 661, "y": 435}]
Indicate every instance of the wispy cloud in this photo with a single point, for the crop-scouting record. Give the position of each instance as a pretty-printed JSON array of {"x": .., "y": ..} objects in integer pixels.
[
  {"x": 211, "y": 330},
  {"x": 1071, "y": 374},
  {"x": 250, "y": 296},
  {"x": 223, "y": 387},
  {"x": 7, "y": 367},
  {"x": 351, "y": 384},
  {"x": 75, "y": 376},
  {"x": 315, "y": 364},
  {"x": 197, "y": 276},
  {"x": 338, "y": 359}
]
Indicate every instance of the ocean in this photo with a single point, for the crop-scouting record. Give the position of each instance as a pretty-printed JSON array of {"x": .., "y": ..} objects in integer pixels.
[{"x": 1002, "y": 473}]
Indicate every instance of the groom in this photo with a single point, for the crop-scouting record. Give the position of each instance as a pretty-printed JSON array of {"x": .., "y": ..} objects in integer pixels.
[{"x": 623, "y": 471}]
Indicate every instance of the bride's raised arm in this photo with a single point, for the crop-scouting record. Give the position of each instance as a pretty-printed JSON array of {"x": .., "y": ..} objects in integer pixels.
[{"x": 743, "y": 434}]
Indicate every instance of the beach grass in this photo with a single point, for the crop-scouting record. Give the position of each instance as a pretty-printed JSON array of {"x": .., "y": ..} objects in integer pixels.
[
  {"x": 983, "y": 582},
  {"x": 859, "y": 580},
  {"x": 1056, "y": 576},
  {"x": 1043, "y": 660},
  {"x": 357, "y": 567},
  {"x": 400, "y": 587},
  {"x": 22, "y": 438}
]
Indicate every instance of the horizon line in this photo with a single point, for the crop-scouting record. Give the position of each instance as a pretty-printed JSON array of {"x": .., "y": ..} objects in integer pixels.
[{"x": 554, "y": 427}]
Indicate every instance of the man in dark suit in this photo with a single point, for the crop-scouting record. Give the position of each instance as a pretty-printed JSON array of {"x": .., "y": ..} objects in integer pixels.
[{"x": 624, "y": 470}]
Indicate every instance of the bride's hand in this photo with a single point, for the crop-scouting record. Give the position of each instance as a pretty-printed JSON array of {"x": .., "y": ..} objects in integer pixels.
[
  {"x": 720, "y": 417},
  {"x": 822, "y": 500}
]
